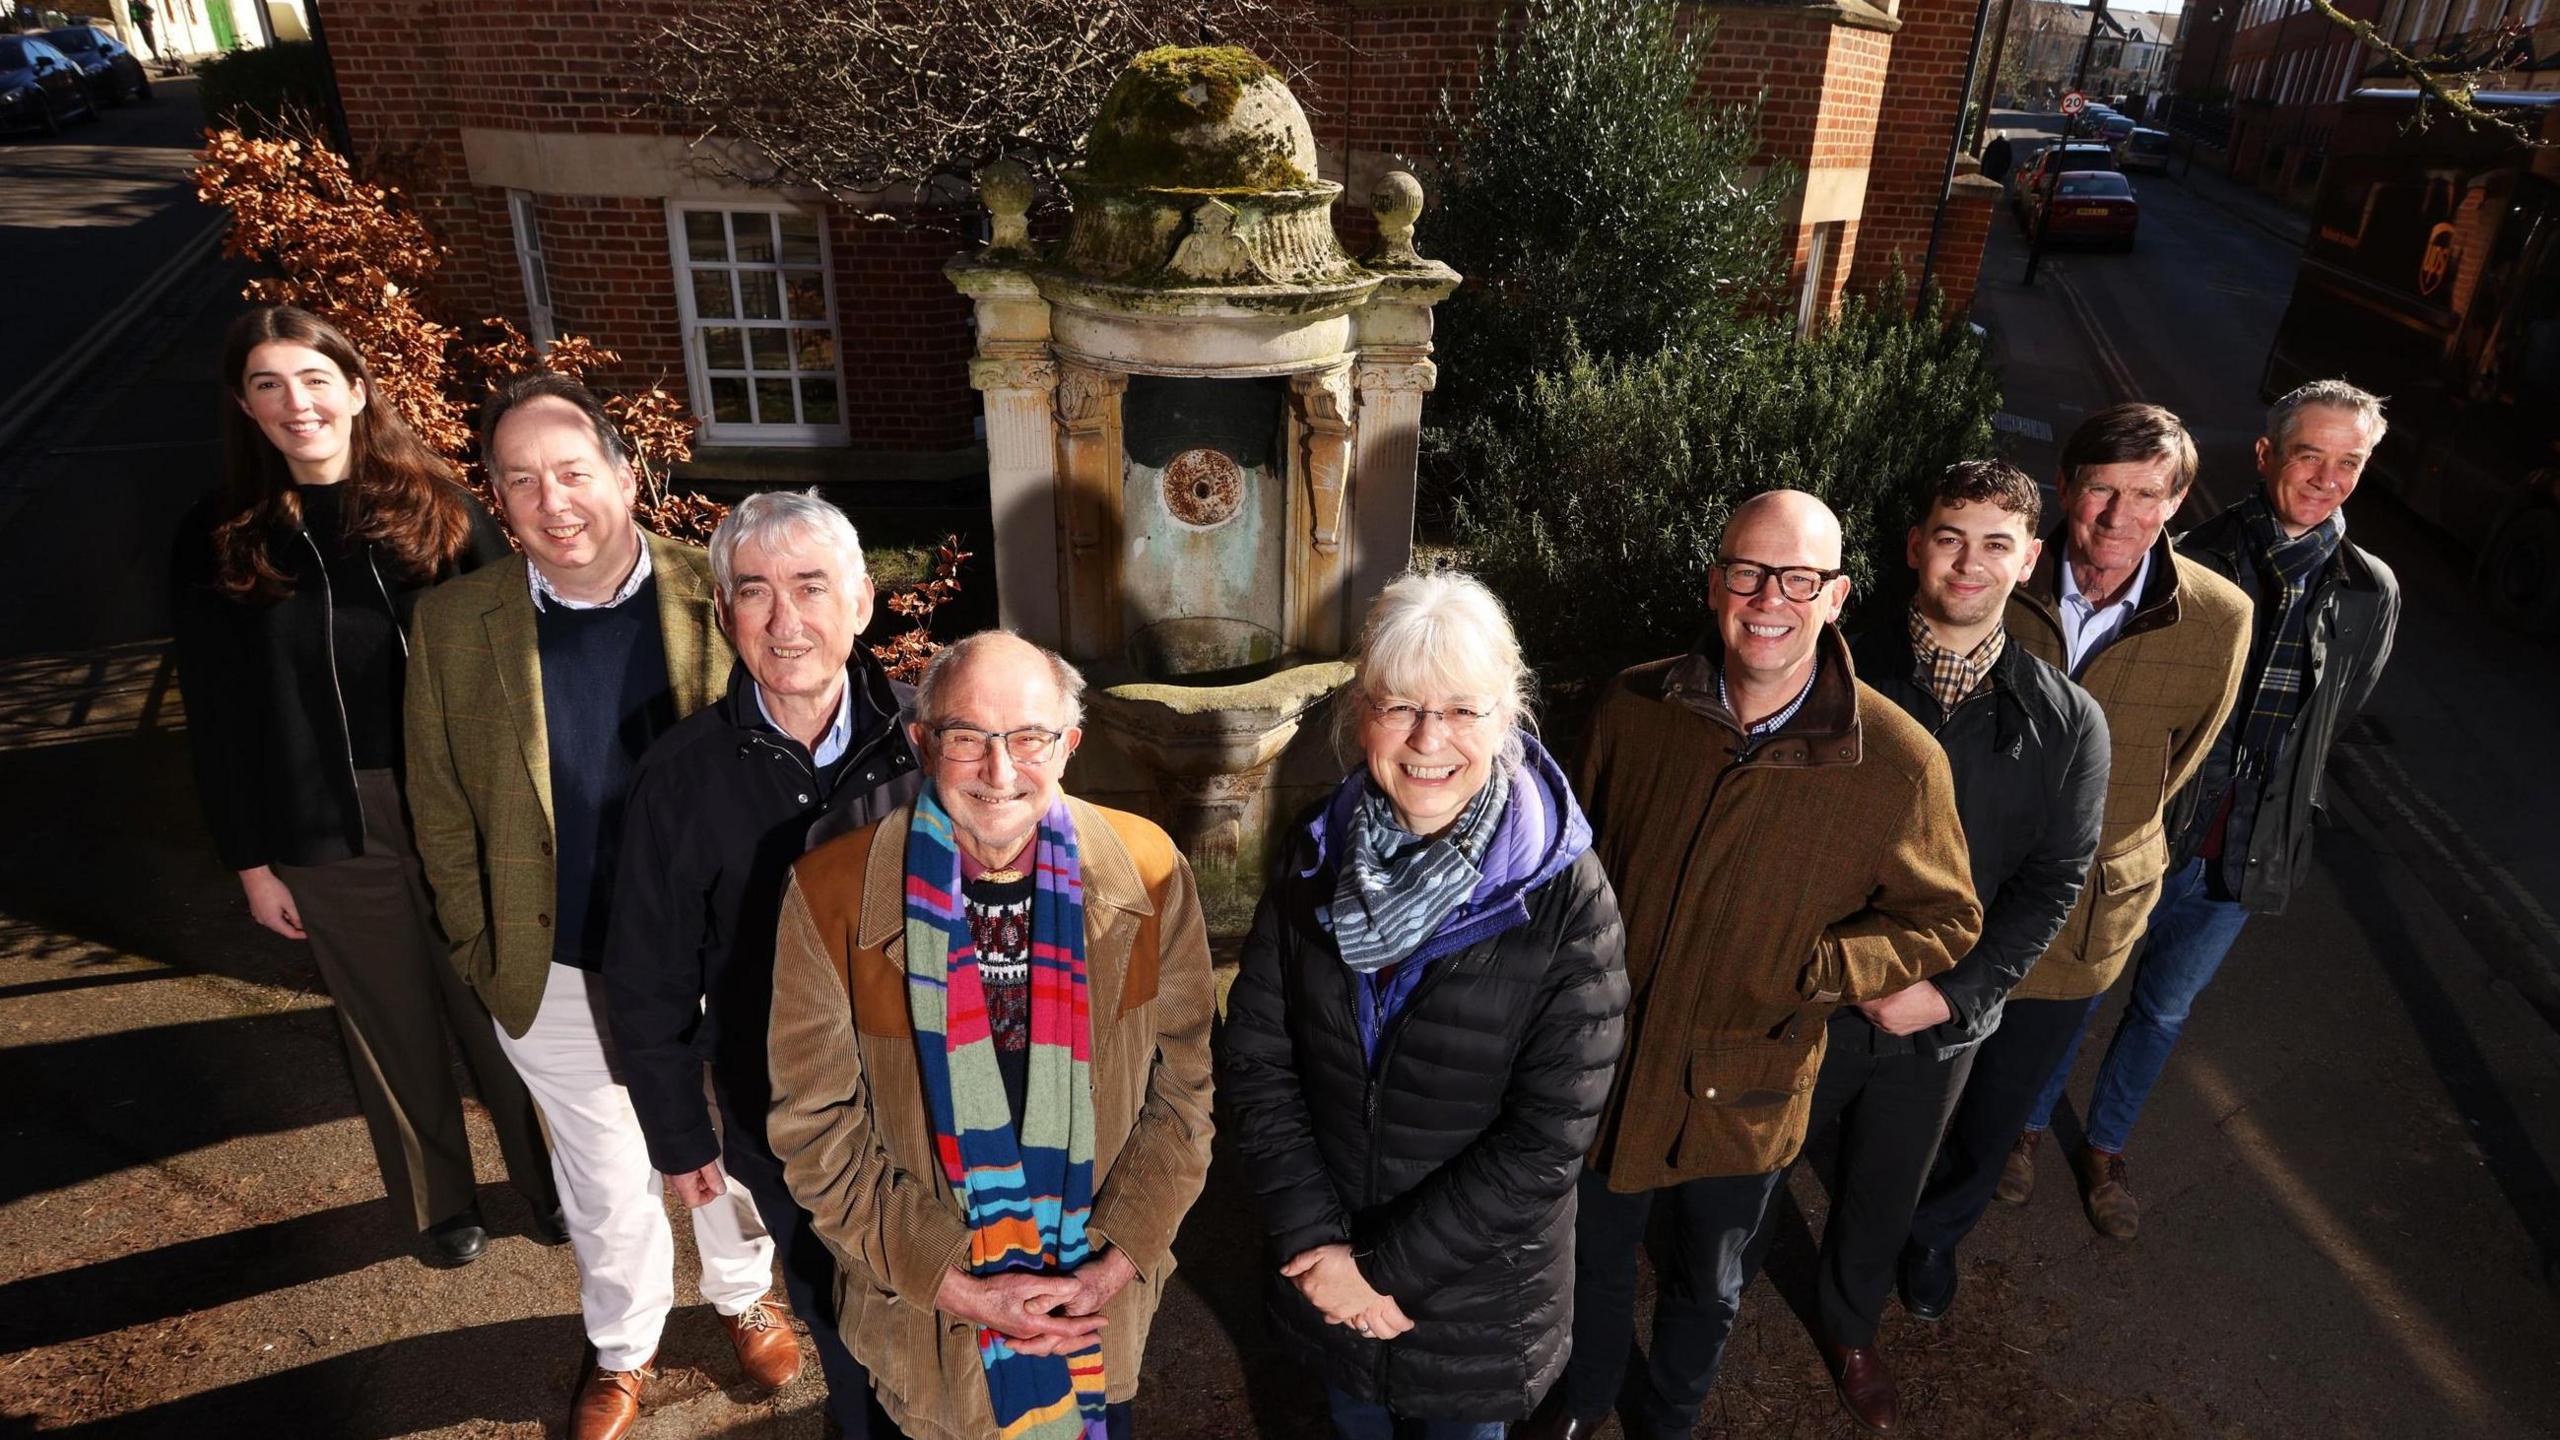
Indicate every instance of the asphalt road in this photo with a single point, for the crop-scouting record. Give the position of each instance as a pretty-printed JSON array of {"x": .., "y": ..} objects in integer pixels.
[{"x": 88, "y": 214}]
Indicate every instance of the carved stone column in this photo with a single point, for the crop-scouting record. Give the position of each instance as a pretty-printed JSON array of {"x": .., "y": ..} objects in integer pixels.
[
  {"x": 1089, "y": 468},
  {"x": 1022, "y": 486},
  {"x": 1014, "y": 369},
  {"x": 1319, "y": 549},
  {"x": 1394, "y": 373}
]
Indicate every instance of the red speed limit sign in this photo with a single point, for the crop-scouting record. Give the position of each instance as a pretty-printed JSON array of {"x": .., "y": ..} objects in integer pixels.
[{"x": 2074, "y": 102}]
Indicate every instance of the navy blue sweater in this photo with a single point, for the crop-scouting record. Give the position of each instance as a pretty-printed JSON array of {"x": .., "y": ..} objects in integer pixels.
[{"x": 604, "y": 700}]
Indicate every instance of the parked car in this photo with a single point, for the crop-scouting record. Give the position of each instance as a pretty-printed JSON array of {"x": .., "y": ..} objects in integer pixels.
[
  {"x": 2145, "y": 150},
  {"x": 2086, "y": 205},
  {"x": 2067, "y": 157},
  {"x": 2432, "y": 275},
  {"x": 112, "y": 72},
  {"x": 2113, "y": 127},
  {"x": 39, "y": 86}
]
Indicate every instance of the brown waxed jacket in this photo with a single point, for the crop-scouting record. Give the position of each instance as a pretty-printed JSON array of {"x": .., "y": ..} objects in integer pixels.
[
  {"x": 850, "y": 1123},
  {"x": 2166, "y": 681},
  {"x": 1762, "y": 887}
]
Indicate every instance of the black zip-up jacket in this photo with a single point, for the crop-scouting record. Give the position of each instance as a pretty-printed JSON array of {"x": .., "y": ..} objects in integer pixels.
[
  {"x": 274, "y": 766},
  {"x": 2355, "y": 608},
  {"x": 718, "y": 809},
  {"x": 1450, "y": 1169},
  {"x": 2030, "y": 755}
]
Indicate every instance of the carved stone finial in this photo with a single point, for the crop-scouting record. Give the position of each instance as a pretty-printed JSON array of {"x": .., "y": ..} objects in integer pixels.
[
  {"x": 1004, "y": 186},
  {"x": 1397, "y": 202}
]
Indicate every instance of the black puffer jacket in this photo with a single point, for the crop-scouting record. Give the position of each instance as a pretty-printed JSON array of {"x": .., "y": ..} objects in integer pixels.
[
  {"x": 264, "y": 718},
  {"x": 1450, "y": 1168}
]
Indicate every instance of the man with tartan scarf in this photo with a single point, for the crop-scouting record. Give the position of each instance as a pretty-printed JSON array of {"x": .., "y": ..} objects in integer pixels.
[
  {"x": 990, "y": 1061},
  {"x": 2241, "y": 830}
]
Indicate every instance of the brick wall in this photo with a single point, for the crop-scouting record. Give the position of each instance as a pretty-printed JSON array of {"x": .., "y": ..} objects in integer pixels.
[
  {"x": 1923, "y": 98},
  {"x": 415, "y": 76}
]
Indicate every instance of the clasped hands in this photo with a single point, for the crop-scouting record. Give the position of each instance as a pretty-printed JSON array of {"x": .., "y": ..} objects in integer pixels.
[
  {"x": 1332, "y": 1282},
  {"x": 1039, "y": 1314}
]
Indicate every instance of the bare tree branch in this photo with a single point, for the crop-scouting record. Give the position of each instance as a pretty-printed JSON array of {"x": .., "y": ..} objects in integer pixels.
[
  {"x": 2456, "y": 90},
  {"x": 866, "y": 100}
]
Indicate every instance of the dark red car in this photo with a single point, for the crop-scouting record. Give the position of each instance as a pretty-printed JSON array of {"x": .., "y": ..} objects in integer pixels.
[{"x": 2087, "y": 205}]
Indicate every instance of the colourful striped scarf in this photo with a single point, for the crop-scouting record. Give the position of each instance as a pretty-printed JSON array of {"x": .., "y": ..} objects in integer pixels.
[{"x": 1027, "y": 1197}]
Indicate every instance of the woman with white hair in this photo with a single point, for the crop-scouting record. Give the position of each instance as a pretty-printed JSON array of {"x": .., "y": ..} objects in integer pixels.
[{"x": 1423, "y": 1032}]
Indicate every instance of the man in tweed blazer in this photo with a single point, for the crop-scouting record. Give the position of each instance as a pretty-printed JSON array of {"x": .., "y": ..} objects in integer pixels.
[
  {"x": 533, "y": 688},
  {"x": 2159, "y": 642}
]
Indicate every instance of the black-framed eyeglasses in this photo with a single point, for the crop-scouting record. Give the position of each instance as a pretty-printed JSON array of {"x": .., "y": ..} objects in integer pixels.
[
  {"x": 1399, "y": 717},
  {"x": 1796, "y": 582},
  {"x": 1028, "y": 744}
]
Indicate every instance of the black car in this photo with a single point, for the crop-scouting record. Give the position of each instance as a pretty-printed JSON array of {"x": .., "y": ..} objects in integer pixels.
[
  {"x": 39, "y": 86},
  {"x": 112, "y": 72}
]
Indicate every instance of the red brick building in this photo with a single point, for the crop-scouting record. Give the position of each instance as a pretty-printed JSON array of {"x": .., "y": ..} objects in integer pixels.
[
  {"x": 2289, "y": 70},
  {"x": 819, "y": 346}
]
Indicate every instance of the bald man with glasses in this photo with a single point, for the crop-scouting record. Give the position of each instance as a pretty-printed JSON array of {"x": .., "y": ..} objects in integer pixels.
[{"x": 1784, "y": 841}]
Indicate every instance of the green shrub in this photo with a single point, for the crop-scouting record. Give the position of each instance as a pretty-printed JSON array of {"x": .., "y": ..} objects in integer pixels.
[
  {"x": 253, "y": 89},
  {"x": 1592, "y": 503},
  {"x": 1584, "y": 188}
]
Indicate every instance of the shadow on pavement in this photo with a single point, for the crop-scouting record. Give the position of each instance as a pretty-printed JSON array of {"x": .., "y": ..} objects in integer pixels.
[
  {"x": 99, "y": 1104},
  {"x": 399, "y": 1388},
  {"x": 203, "y": 1274}
]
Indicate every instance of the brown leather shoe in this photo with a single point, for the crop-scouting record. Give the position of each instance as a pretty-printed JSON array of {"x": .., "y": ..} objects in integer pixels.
[
  {"x": 2106, "y": 1187},
  {"x": 767, "y": 1351},
  {"x": 1866, "y": 1387},
  {"x": 608, "y": 1404},
  {"x": 2018, "y": 1172}
]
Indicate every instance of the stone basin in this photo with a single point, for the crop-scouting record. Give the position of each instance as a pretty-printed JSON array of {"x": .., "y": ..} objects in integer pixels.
[{"x": 1209, "y": 750}]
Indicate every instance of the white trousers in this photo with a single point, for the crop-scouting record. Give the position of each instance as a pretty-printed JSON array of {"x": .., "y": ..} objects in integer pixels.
[{"x": 611, "y": 1195}]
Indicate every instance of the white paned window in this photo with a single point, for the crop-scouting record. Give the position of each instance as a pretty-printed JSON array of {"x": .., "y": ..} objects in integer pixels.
[
  {"x": 530, "y": 264},
  {"x": 758, "y": 301}
]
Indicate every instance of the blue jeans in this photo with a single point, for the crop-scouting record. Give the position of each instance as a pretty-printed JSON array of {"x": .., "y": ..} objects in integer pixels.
[
  {"x": 2189, "y": 934},
  {"x": 1356, "y": 1419}
]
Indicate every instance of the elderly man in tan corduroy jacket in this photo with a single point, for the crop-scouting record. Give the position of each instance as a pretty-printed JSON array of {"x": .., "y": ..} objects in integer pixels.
[{"x": 1783, "y": 841}]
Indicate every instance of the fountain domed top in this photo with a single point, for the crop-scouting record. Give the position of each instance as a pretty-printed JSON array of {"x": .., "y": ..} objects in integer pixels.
[
  {"x": 1198, "y": 196},
  {"x": 1205, "y": 119}
]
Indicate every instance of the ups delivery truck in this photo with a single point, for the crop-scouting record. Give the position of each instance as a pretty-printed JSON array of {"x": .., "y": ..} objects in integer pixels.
[{"x": 2432, "y": 277}]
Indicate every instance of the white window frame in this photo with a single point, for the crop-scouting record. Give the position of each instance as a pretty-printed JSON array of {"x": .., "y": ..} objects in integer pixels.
[
  {"x": 532, "y": 268},
  {"x": 696, "y": 364}
]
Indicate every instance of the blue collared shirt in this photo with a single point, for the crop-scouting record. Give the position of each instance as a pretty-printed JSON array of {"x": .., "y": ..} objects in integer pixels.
[
  {"x": 839, "y": 737},
  {"x": 2087, "y": 626}
]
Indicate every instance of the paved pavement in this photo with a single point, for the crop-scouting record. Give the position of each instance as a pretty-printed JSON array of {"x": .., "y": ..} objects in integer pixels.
[{"x": 2347, "y": 1175}]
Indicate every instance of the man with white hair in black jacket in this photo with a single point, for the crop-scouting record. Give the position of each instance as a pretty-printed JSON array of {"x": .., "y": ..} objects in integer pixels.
[{"x": 809, "y": 743}]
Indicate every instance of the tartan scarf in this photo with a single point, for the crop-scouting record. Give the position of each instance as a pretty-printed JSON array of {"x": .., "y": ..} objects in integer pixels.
[
  {"x": 1946, "y": 675},
  {"x": 2286, "y": 566},
  {"x": 1027, "y": 1197}
]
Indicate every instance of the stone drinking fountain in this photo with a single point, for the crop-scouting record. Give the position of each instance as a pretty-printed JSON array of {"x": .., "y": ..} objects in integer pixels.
[{"x": 1202, "y": 421}]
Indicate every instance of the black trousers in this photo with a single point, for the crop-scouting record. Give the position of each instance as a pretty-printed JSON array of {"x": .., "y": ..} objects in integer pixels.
[
  {"x": 2009, "y": 1070},
  {"x": 374, "y": 937},
  {"x": 1698, "y": 1292},
  {"x": 808, "y": 1274},
  {"x": 1891, "y": 1100}
]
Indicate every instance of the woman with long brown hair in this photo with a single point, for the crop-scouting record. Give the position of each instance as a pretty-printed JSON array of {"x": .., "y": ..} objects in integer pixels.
[{"x": 294, "y": 583}]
